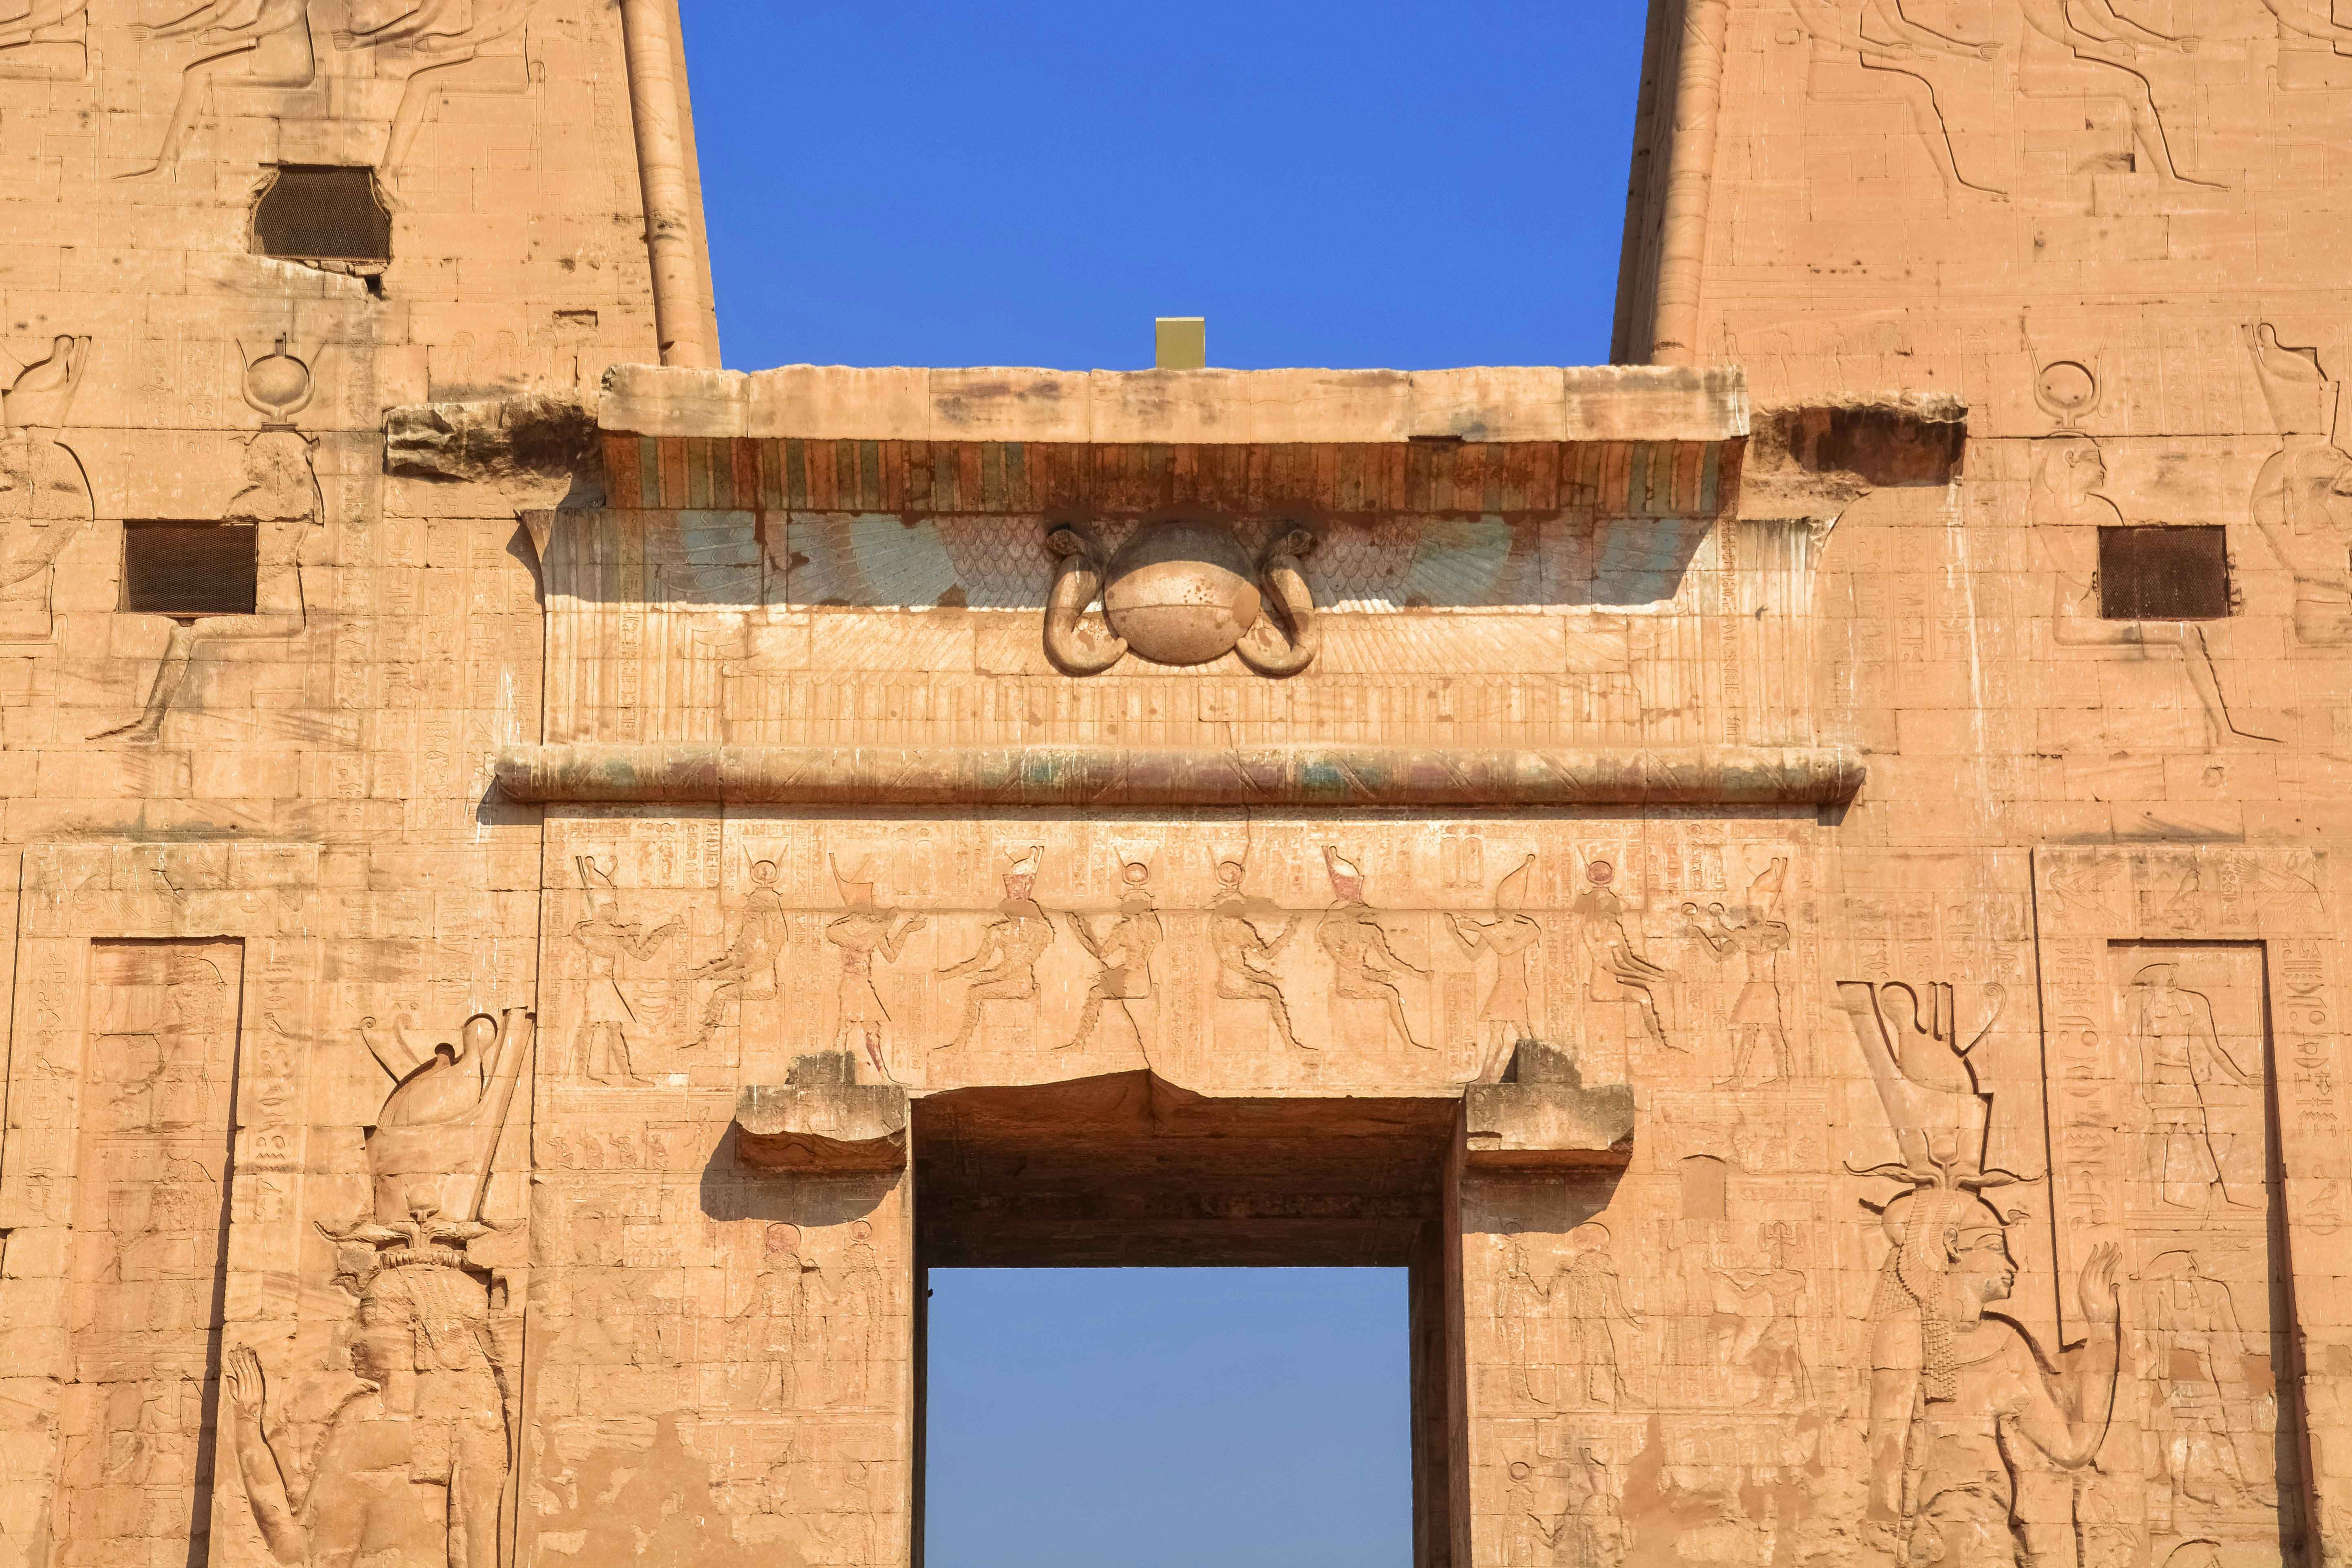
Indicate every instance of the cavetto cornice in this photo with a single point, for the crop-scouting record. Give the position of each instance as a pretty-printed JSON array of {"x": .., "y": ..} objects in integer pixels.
[{"x": 1603, "y": 403}]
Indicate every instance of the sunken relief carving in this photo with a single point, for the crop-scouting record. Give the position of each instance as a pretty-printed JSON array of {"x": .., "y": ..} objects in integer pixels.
[
  {"x": 411, "y": 1470},
  {"x": 1005, "y": 967},
  {"x": 1963, "y": 1403}
]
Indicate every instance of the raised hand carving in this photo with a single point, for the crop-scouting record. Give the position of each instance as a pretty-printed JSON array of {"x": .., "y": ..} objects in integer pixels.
[
  {"x": 1077, "y": 580},
  {"x": 1283, "y": 582}
]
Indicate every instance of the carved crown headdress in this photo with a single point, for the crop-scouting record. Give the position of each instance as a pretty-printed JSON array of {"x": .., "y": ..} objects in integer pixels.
[
  {"x": 1928, "y": 1086},
  {"x": 2302, "y": 399}
]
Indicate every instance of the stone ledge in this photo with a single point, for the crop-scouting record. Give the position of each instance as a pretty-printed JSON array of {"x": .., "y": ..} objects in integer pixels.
[
  {"x": 1543, "y": 1117},
  {"x": 822, "y": 1121},
  {"x": 1106, "y": 776},
  {"x": 1601, "y": 402}
]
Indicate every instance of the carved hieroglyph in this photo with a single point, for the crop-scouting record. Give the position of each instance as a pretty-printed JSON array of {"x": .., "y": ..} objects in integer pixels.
[{"x": 1843, "y": 1034}]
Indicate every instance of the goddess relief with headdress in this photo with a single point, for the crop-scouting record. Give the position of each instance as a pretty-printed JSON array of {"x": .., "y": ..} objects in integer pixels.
[
  {"x": 1960, "y": 1397},
  {"x": 411, "y": 1472}
]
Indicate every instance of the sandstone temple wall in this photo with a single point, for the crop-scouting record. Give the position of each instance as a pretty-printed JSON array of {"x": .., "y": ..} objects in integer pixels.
[{"x": 1795, "y": 882}]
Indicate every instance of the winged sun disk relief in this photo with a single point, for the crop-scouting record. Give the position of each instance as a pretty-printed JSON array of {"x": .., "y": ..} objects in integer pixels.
[{"x": 1280, "y": 638}]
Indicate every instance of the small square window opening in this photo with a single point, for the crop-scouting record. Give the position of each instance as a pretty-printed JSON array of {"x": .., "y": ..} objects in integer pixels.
[
  {"x": 190, "y": 568},
  {"x": 2163, "y": 574},
  {"x": 323, "y": 213}
]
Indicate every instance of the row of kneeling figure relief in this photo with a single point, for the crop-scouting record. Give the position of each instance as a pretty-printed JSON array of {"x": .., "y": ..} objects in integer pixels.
[{"x": 1247, "y": 947}]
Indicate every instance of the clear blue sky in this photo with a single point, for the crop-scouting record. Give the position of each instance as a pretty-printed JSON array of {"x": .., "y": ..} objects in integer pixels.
[
  {"x": 1360, "y": 184},
  {"x": 1169, "y": 1418}
]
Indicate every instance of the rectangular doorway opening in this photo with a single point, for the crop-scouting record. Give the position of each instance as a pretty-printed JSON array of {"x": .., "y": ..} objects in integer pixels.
[
  {"x": 1165, "y": 1417},
  {"x": 1155, "y": 1327}
]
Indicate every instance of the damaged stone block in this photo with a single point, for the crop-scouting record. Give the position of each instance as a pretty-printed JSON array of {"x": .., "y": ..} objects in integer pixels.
[
  {"x": 1542, "y": 1116},
  {"x": 822, "y": 1119}
]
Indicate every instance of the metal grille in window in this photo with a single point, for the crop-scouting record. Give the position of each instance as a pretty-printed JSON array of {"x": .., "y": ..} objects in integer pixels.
[
  {"x": 2163, "y": 574},
  {"x": 189, "y": 568},
  {"x": 321, "y": 213}
]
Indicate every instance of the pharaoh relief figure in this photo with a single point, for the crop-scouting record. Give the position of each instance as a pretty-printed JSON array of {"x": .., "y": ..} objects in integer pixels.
[
  {"x": 411, "y": 1470},
  {"x": 1758, "y": 943},
  {"x": 2186, "y": 1073},
  {"x": 2214, "y": 1405},
  {"x": 2067, "y": 507},
  {"x": 746, "y": 972},
  {"x": 607, "y": 1015},
  {"x": 278, "y": 498},
  {"x": 1619, "y": 969},
  {"x": 1122, "y": 954},
  {"x": 1508, "y": 1014},
  {"x": 1962, "y": 1401},
  {"x": 442, "y": 49},
  {"x": 866, "y": 934},
  {"x": 1363, "y": 965},
  {"x": 2303, "y": 495},
  {"x": 1004, "y": 969}
]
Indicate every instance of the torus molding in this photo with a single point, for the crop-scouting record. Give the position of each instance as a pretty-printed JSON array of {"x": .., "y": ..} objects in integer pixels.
[{"x": 1111, "y": 776}]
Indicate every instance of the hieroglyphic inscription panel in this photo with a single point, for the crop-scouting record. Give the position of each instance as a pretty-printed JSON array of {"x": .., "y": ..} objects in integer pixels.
[
  {"x": 149, "y": 1243},
  {"x": 2180, "y": 1134}
]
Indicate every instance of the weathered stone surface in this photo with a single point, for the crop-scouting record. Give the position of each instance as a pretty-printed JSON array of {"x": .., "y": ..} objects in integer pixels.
[
  {"x": 1815, "y": 935},
  {"x": 1541, "y": 1116},
  {"x": 823, "y": 1119},
  {"x": 1106, "y": 777}
]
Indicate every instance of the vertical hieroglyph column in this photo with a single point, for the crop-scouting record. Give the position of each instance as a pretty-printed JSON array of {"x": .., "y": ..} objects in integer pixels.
[
  {"x": 1539, "y": 1416},
  {"x": 667, "y": 187},
  {"x": 2197, "y": 1132},
  {"x": 116, "y": 1189}
]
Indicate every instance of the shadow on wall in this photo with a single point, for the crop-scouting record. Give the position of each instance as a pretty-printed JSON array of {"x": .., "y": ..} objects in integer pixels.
[{"x": 741, "y": 560}]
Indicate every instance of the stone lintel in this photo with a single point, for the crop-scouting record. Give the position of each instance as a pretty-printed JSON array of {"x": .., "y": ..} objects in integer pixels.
[
  {"x": 822, "y": 1126},
  {"x": 1513, "y": 403},
  {"x": 1106, "y": 776}
]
